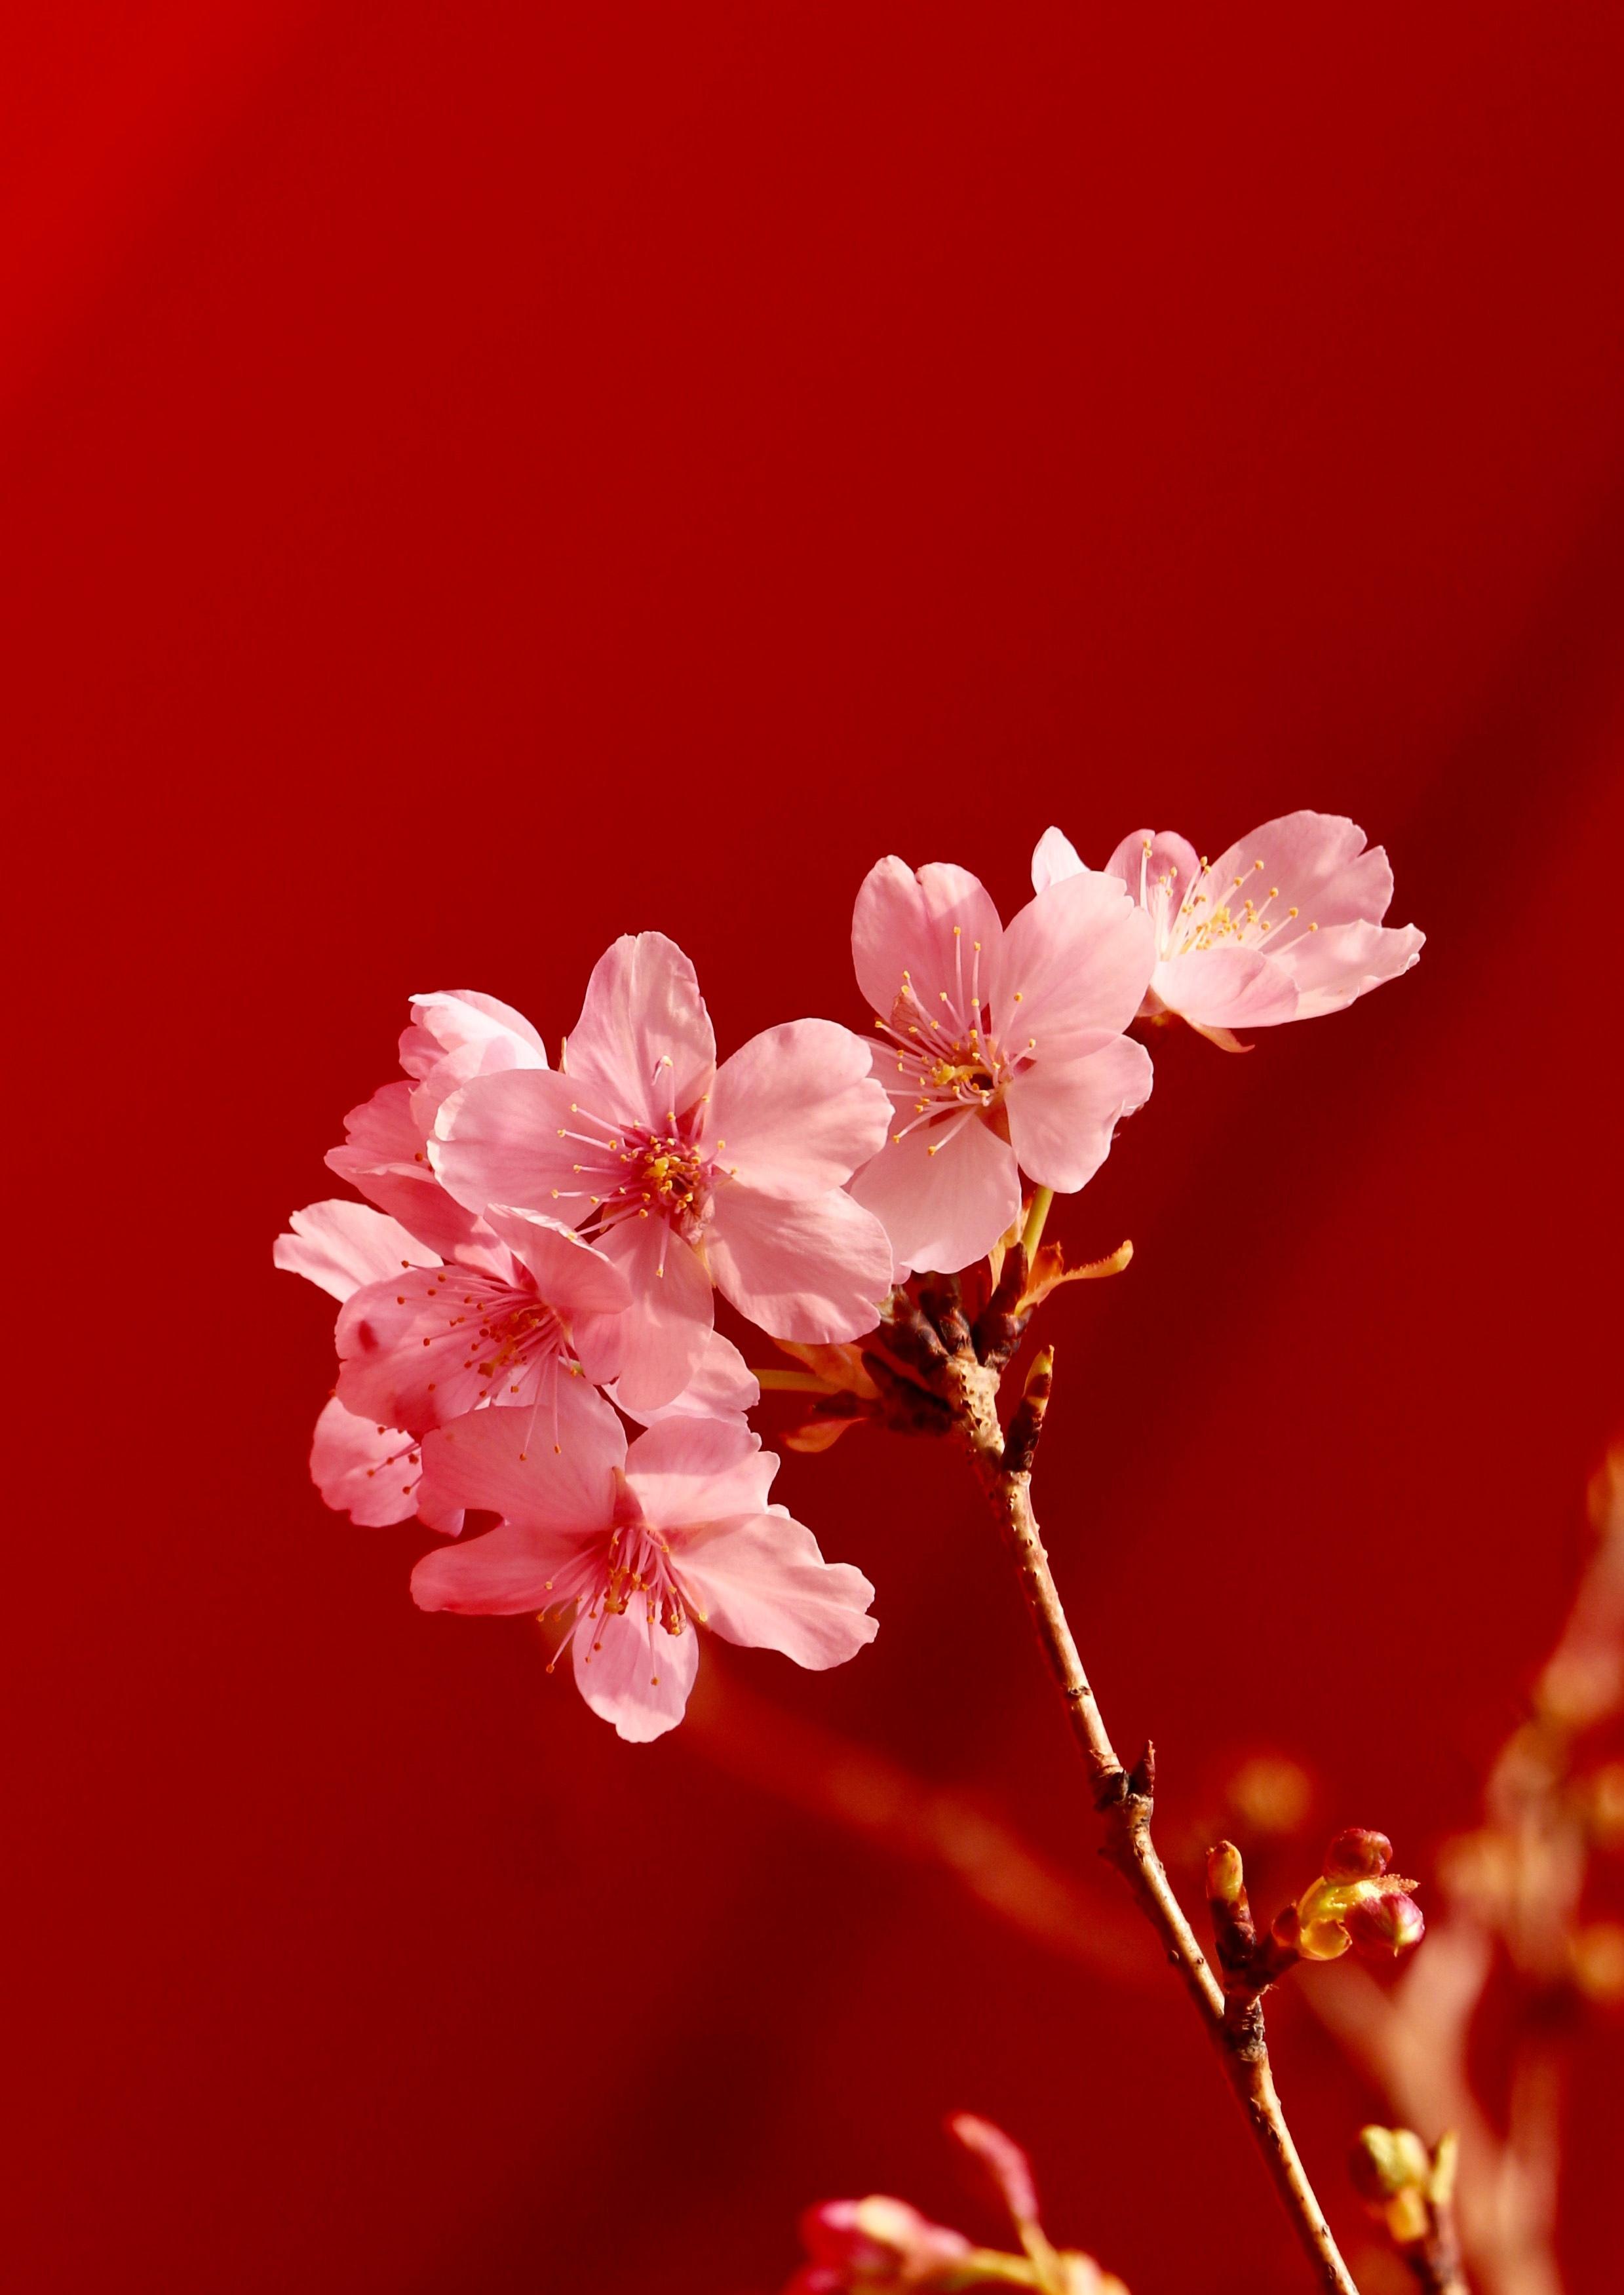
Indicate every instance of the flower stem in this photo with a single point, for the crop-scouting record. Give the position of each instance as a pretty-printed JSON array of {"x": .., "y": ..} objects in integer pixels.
[
  {"x": 792, "y": 1381},
  {"x": 1123, "y": 1798},
  {"x": 1032, "y": 1234}
]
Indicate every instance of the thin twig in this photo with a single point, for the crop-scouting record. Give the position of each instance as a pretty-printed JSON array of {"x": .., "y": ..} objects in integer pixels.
[{"x": 1123, "y": 1798}]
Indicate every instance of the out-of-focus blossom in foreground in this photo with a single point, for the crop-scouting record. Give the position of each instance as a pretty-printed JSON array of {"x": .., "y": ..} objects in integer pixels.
[
  {"x": 1002, "y": 1051},
  {"x": 634, "y": 1547},
  {"x": 881, "y": 2246},
  {"x": 1285, "y": 925},
  {"x": 685, "y": 1173}
]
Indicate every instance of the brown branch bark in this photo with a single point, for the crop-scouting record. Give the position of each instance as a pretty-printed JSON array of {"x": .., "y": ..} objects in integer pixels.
[{"x": 1124, "y": 1797}]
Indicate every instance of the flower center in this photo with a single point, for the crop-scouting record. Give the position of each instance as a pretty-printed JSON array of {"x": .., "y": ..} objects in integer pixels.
[
  {"x": 950, "y": 1068},
  {"x": 636, "y": 1172},
  {"x": 666, "y": 1170},
  {"x": 1190, "y": 921}
]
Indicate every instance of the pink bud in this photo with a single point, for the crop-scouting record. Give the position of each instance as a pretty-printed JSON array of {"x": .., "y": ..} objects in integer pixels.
[
  {"x": 1357, "y": 1854},
  {"x": 1382, "y": 1927}
]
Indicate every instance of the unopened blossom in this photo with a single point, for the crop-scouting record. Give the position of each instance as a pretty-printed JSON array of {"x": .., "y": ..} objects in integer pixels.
[
  {"x": 454, "y": 1035},
  {"x": 684, "y": 1172},
  {"x": 419, "y": 1348},
  {"x": 1285, "y": 925},
  {"x": 634, "y": 1548},
  {"x": 1356, "y": 1901},
  {"x": 1001, "y": 1048}
]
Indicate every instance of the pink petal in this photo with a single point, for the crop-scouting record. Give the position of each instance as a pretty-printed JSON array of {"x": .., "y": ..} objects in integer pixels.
[
  {"x": 1333, "y": 967},
  {"x": 420, "y": 1353},
  {"x": 571, "y": 1275},
  {"x": 688, "y": 1470},
  {"x": 724, "y": 1386},
  {"x": 1155, "y": 858},
  {"x": 903, "y": 924},
  {"x": 1072, "y": 969},
  {"x": 796, "y": 1111},
  {"x": 502, "y": 1462},
  {"x": 643, "y": 1046},
  {"x": 1226, "y": 988},
  {"x": 1053, "y": 859},
  {"x": 372, "y": 1473},
  {"x": 445, "y": 1020},
  {"x": 762, "y": 1581},
  {"x": 663, "y": 1336},
  {"x": 502, "y": 1574},
  {"x": 635, "y": 1675},
  {"x": 502, "y": 1139},
  {"x": 384, "y": 1157},
  {"x": 944, "y": 1193},
  {"x": 339, "y": 1245},
  {"x": 1316, "y": 864},
  {"x": 816, "y": 1269},
  {"x": 1061, "y": 1119}
]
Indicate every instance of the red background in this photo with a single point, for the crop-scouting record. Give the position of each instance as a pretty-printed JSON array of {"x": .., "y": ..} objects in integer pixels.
[{"x": 478, "y": 480}]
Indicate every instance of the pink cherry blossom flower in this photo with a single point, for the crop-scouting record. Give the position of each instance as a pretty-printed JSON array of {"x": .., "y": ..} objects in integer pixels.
[
  {"x": 1003, "y": 1051},
  {"x": 634, "y": 1547},
  {"x": 685, "y": 1173},
  {"x": 1284, "y": 925},
  {"x": 454, "y": 1034},
  {"x": 416, "y": 1350}
]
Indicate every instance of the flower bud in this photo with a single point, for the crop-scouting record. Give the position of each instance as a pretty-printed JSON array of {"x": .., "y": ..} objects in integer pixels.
[
  {"x": 1226, "y": 1879},
  {"x": 1383, "y": 1926},
  {"x": 1319, "y": 1909},
  {"x": 1356, "y": 1854},
  {"x": 1387, "y": 2160}
]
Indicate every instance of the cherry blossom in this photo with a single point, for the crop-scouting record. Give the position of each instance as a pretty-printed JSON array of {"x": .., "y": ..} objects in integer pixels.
[
  {"x": 684, "y": 1173},
  {"x": 454, "y": 1034},
  {"x": 1003, "y": 1050},
  {"x": 633, "y": 1547},
  {"x": 420, "y": 1349},
  {"x": 1286, "y": 925}
]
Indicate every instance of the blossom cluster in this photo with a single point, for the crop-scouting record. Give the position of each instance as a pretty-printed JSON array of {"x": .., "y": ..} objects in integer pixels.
[{"x": 533, "y": 1270}]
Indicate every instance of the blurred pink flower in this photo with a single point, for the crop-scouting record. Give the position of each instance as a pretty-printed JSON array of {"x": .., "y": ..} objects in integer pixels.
[
  {"x": 1003, "y": 1051},
  {"x": 873, "y": 2244},
  {"x": 635, "y": 1546},
  {"x": 685, "y": 1173},
  {"x": 1284, "y": 925}
]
